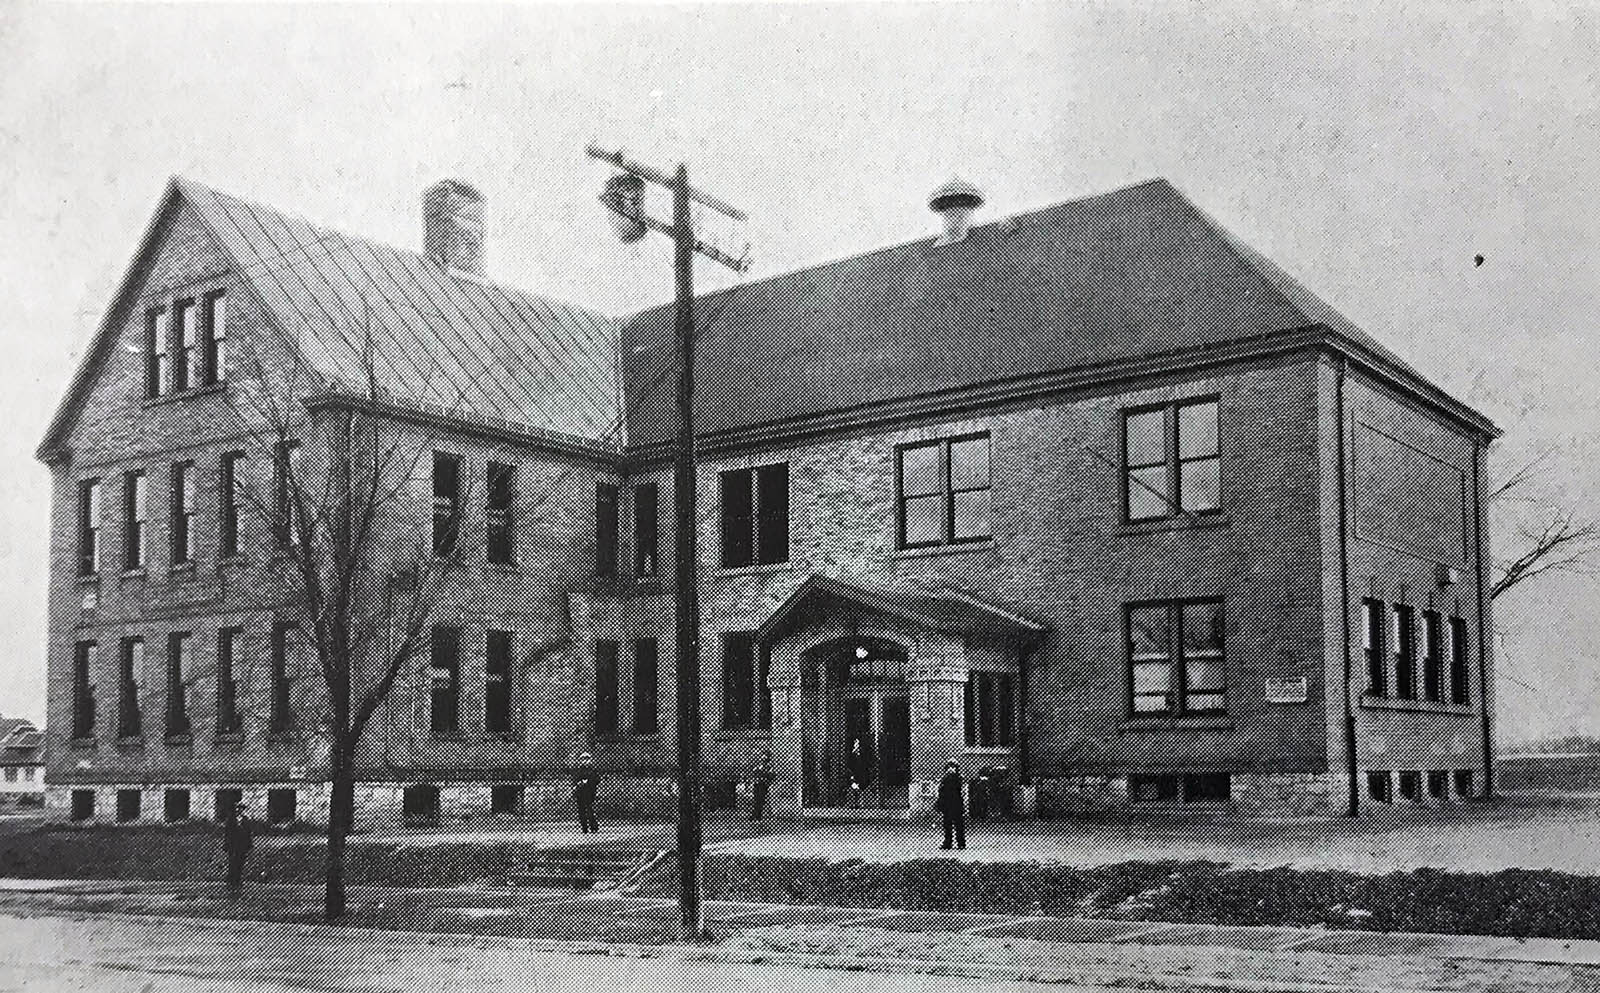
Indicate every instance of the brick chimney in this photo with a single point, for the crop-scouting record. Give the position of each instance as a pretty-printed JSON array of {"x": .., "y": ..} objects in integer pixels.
[{"x": 452, "y": 225}]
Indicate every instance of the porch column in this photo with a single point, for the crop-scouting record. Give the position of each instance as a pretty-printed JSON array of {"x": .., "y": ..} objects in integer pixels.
[
  {"x": 937, "y": 680},
  {"x": 786, "y": 740}
]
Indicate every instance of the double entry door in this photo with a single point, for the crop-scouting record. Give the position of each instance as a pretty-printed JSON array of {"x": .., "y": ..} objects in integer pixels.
[{"x": 874, "y": 748}]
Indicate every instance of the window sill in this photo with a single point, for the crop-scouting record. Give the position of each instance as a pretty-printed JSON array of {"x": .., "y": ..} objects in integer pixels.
[
  {"x": 131, "y": 742},
  {"x": 87, "y": 743},
  {"x": 282, "y": 737},
  {"x": 91, "y": 579},
  {"x": 1210, "y": 519},
  {"x": 1415, "y": 706},
  {"x": 138, "y": 573},
  {"x": 179, "y": 740},
  {"x": 750, "y": 733},
  {"x": 989, "y": 750},
  {"x": 504, "y": 568},
  {"x": 1208, "y": 722},
  {"x": 447, "y": 736},
  {"x": 506, "y": 736},
  {"x": 232, "y": 560},
  {"x": 228, "y": 738},
  {"x": 184, "y": 569},
  {"x": 645, "y": 736},
  {"x": 178, "y": 396},
  {"x": 642, "y": 585},
  {"x": 960, "y": 548},
  {"x": 759, "y": 569}
]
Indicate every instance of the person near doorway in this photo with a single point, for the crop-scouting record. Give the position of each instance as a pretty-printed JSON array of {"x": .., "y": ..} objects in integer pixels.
[
  {"x": 760, "y": 781},
  {"x": 238, "y": 835},
  {"x": 858, "y": 771},
  {"x": 585, "y": 786},
  {"x": 951, "y": 806}
]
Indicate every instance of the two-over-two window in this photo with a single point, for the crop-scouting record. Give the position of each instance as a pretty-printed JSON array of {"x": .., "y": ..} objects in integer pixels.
[
  {"x": 754, "y": 515},
  {"x": 744, "y": 682},
  {"x": 186, "y": 344},
  {"x": 1171, "y": 460},
  {"x": 943, "y": 491},
  {"x": 1175, "y": 658}
]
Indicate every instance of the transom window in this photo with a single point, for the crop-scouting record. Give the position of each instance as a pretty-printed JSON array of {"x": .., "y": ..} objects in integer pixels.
[
  {"x": 944, "y": 494},
  {"x": 1171, "y": 460},
  {"x": 1175, "y": 660}
]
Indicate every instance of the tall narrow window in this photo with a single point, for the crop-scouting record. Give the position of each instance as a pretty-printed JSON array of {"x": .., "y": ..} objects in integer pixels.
[
  {"x": 446, "y": 502},
  {"x": 130, "y": 719},
  {"x": 228, "y": 493},
  {"x": 1171, "y": 460},
  {"x": 214, "y": 329},
  {"x": 85, "y": 660},
  {"x": 288, "y": 493},
  {"x": 1459, "y": 680},
  {"x": 754, "y": 515},
  {"x": 646, "y": 686},
  {"x": 89, "y": 527},
  {"x": 179, "y": 668},
  {"x": 605, "y": 530},
  {"x": 763, "y": 696},
  {"x": 738, "y": 679},
  {"x": 280, "y": 716},
  {"x": 502, "y": 537},
  {"x": 605, "y": 687},
  {"x": 497, "y": 684},
  {"x": 1432, "y": 660},
  {"x": 989, "y": 705},
  {"x": 646, "y": 529},
  {"x": 136, "y": 508},
  {"x": 944, "y": 495},
  {"x": 156, "y": 361},
  {"x": 1405, "y": 653},
  {"x": 1372, "y": 626},
  {"x": 1175, "y": 658},
  {"x": 444, "y": 712},
  {"x": 183, "y": 513},
  {"x": 228, "y": 641},
  {"x": 185, "y": 342}
]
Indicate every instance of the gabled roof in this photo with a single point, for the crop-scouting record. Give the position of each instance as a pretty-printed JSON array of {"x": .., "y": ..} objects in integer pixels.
[
  {"x": 11, "y": 725},
  {"x": 1120, "y": 277},
  {"x": 934, "y": 608},
  {"x": 441, "y": 340}
]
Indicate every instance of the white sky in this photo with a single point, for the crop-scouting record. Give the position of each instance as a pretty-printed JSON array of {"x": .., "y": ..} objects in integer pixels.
[{"x": 1371, "y": 153}]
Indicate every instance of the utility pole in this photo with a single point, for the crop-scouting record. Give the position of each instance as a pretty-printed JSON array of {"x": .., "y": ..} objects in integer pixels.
[{"x": 624, "y": 197}]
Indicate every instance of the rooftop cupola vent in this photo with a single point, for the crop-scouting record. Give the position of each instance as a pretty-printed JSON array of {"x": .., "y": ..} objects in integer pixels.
[
  {"x": 453, "y": 225},
  {"x": 955, "y": 201}
]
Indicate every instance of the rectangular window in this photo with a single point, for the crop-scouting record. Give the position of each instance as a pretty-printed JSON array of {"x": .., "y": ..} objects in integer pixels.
[
  {"x": 175, "y": 805},
  {"x": 753, "y": 515},
  {"x": 646, "y": 686},
  {"x": 1372, "y": 628},
  {"x": 419, "y": 804},
  {"x": 135, "y": 511},
  {"x": 1460, "y": 683},
  {"x": 281, "y": 806},
  {"x": 1379, "y": 787},
  {"x": 944, "y": 494},
  {"x": 214, "y": 320},
  {"x": 988, "y": 705},
  {"x": 1432, "y": 660},
  {"x": 288, "y": 493},
  {"x": 605, "y": 530},
  {"x": 502, "y": 537},
  {"x": 1207, "y": 787},
  {"x": 180, "y": 667},
  {"x": 444, "y": 681},
  {"x": 183, "y": 513},
  {"x": 130, "y": 665},
  {"x": 1411, "y": 785},
  {"x": 446, "y": 502},
  {"x": 1438, "y": 784},
  {"x": 280, "y": 717},
  {"x": 1405, "y": 653},
  {"x": 156, "y": 365},
  {"x": 128, "y": 804},
  {"x": 505, "y": 798},
  {"x": 228, "y": 642},
  {"x": 738, "y": 679},
  {"x": 186, "y": 356},
  {"x": 82, "y": 805},
  {"x": 646, "y": 529},
  {"x": 605, "y": 687},
  {"x": 1152, "y": 789},
  {"x": 497, "y": 684},
  {"x": 1175, "y": 658},
  {"x": 224, "y": 802},
  {"x": 89, "y": 527},
  {"x": 1463, "y": 778},
  {"x": 229, "y": 482},
  {"x": 85, "y": 660},
  {"x": 1171, "y": 460}
]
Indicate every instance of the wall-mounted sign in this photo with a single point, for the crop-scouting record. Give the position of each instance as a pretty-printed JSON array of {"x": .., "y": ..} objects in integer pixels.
[
  {"x": 1287, "y": 690},
  {"x": 297, "y": 772}
]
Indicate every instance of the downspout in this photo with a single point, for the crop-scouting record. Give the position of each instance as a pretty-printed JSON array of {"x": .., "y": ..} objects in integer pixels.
[
  {"x": 1485, "y": 700},
  {"x": 1353, "y": 785},
  {"x": 1024, "y": 660}
]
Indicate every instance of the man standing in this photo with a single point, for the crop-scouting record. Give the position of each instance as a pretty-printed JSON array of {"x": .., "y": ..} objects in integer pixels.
[
  {"x": 238, "y": 834},
  {"x": 760, "y": 781},
  {"x": 585, "y": 785},
  {"x": 951, "y": 806}
]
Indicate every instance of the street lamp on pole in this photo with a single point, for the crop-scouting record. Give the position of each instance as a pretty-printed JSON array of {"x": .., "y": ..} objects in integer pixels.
[{"x": 623, "y": 196}]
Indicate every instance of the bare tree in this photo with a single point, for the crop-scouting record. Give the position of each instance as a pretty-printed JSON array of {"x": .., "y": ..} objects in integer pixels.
[
  {"x": 1551, "y": 539},
  {"x": 362, "y": 568}
]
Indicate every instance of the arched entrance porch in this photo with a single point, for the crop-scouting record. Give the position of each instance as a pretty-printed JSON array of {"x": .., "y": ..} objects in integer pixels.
[{"x": 855, "y": 724}]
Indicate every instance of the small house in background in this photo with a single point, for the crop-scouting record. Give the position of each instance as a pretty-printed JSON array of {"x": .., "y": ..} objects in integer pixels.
[{"x": 21, "y": 763}]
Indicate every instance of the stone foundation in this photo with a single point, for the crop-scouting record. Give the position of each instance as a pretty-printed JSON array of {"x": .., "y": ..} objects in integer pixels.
[{"x": 1274, "y": 792}]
